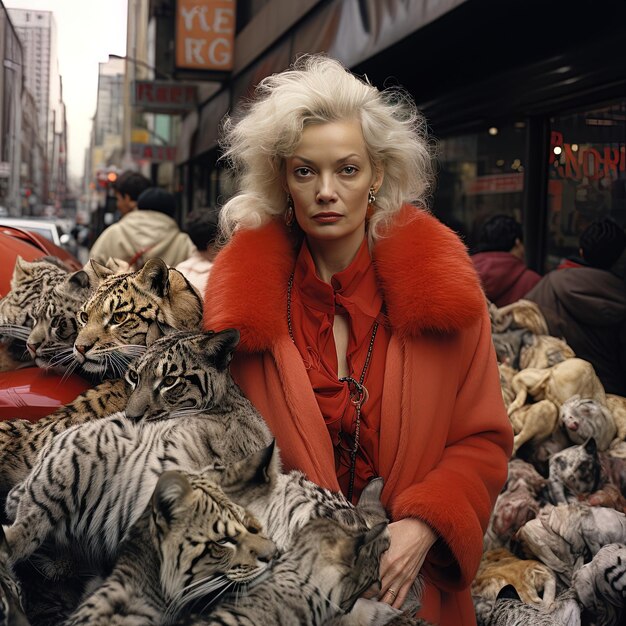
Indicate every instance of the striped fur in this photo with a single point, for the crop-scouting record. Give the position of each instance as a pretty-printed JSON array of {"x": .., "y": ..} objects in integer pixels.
[
  {"x": 600, "y": 585},
  {"x": 11, "y": 613},
  {"x": 94, "y": 480},
  {"x": 327, "y": 567},
  {"x": 285, "y": 503},
  {"x": 21, "y": 440},
  {"x": 55, "y": 326},
  {"x": 30, "y": 283},
  {"x": 509, "y": 610},
  {"x": 189, "y": 539},
  {"x": 128, "y": 311}
]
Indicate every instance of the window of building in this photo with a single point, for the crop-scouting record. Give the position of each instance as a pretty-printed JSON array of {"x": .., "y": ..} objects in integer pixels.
[
  {"x": 587, "y": 176},
  {"x": 480, "y": 175}
]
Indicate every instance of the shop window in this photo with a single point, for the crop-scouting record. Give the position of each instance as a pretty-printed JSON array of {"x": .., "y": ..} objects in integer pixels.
[
  {"x": 587, "y": 175},
  {"x": 480, "y": 175}
]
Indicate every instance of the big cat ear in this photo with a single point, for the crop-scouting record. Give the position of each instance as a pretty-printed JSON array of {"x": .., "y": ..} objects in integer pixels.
[
  {"x": 221, "y": 346},
  {"x": 154, "y": 277}
]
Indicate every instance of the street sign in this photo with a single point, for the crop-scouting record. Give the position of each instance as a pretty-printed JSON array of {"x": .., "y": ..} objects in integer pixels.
[
  {"x": 153, "y": 152},
  {"x": 161, "y": 96}
]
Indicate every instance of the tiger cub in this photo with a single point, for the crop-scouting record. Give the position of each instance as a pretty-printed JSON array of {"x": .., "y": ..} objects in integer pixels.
[
  {"x": 128, "y": 311},
  {"x": 326, "y": 569},
  {"x": 30, "y": 282},
  {"x": 190, "y": 538},
  {"x": 285, "y": 503},
  {"x": 52, "y": 337},
  {"x": 94, "y": 480}
]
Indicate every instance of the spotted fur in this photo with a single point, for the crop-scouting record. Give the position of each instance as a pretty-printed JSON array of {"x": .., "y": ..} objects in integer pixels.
[
  {"x": 127, "y": 312},
  {"x": 190, "y": 540},
  {"x": 574, "y": 471}
]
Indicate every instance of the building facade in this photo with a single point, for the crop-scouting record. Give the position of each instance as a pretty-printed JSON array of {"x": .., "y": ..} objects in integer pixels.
[
  {"x": 38, "y": 33},
  {"x": 11, "y": 78},
  {"x": 525, "y": 101}
]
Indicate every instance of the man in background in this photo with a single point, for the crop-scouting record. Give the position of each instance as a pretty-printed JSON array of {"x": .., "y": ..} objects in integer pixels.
[
  {"x": 128, "y": 187},
  {"x": 499, "y": 261},
  {"x": 148, "y": 232},
  {"x": 586, "y": 305}
]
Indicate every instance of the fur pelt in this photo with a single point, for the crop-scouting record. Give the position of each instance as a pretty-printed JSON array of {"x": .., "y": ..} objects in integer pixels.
[
  {"x": 557, "y": 383},
  {"x": 535, "y": 583}
]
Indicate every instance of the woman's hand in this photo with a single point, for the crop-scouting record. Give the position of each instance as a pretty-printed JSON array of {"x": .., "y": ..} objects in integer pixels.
[{"x": 411, "y": 539}]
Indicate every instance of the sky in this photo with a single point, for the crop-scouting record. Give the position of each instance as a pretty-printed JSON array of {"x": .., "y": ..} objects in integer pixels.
[{"x": 87, "y": 31}]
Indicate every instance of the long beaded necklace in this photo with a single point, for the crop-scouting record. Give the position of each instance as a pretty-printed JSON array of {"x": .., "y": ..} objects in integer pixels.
[{"x": 358, "y": 391}]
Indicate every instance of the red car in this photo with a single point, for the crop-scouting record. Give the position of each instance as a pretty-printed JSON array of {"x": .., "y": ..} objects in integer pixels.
[{"x": 30, "y": 392}]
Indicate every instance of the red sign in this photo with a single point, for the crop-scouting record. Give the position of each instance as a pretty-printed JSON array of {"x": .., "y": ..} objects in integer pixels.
[
  {"x": 205, "y": 34},
  {"x": 495, "y": 183},
  {"x": 158, "y": 96},
  {"x": 587, "y": 161},
  {"x": 153, "y": 152}
]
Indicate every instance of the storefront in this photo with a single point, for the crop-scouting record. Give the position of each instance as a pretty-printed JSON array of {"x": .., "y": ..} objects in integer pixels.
[{"x": 526, "y": 102}]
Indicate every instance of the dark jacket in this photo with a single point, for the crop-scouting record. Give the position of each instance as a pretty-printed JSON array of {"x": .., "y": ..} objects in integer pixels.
[
  {"x": 587, "y": 307},
  {"x": 505, "y": 279}
]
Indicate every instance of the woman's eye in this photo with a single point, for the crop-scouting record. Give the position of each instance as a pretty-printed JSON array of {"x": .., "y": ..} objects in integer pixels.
[
  {"x": 302, "y": 171},
  {"x": 168, "y": 381},
  {"x": 350, "y": 170},
  {"x": 118, "y": 318},
  {"x": 83, "y": 318}
]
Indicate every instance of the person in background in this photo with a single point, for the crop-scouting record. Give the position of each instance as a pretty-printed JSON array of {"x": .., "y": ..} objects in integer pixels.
[
  {"x": 128, "y": 187},
  {"x": 202, "y": 228},
  {"x": 586, "y": 305},
  {"x": 365, "y": 337},
  {"x": 499, "y": 261},
  {"x": 146, "y": 233}
]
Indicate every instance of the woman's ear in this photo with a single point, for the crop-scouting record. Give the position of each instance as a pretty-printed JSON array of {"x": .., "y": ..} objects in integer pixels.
[{"x": 378, "y": 179}]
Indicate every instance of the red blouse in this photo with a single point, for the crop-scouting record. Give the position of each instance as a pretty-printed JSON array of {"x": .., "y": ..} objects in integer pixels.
[{"x": 353, "y": 293}]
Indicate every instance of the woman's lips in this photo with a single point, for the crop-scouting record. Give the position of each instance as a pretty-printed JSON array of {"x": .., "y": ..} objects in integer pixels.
[{"x": 327, "y": 218}]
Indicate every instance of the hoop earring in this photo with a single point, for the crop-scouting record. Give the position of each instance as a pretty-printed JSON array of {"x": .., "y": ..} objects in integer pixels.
[
  {"x": 288, "y": 216},
  {"x": 371, "y": 196}
]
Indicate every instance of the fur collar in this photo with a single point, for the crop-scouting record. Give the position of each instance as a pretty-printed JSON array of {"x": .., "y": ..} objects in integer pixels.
[{"x": 428, "y": 281}]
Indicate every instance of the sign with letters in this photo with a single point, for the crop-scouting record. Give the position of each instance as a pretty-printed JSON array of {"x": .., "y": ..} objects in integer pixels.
[
  {"x": 153, "y": 152},
  {"x": 205, "y": 35},
  {"x": 160, "y": 96}
]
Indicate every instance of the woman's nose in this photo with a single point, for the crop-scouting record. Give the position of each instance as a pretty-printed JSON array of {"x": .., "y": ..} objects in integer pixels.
[{"x": 326, "y": 191}]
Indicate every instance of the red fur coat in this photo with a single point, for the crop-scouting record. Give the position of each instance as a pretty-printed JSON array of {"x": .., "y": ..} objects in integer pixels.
[{"x": 445, "y": 438}]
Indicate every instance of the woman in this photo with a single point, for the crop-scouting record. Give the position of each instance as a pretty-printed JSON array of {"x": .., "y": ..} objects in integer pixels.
[{"x": 365, "y": 339}]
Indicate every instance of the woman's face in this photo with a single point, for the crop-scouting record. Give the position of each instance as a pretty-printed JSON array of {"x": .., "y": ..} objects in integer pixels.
[{"x": 328, "y": 177}]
